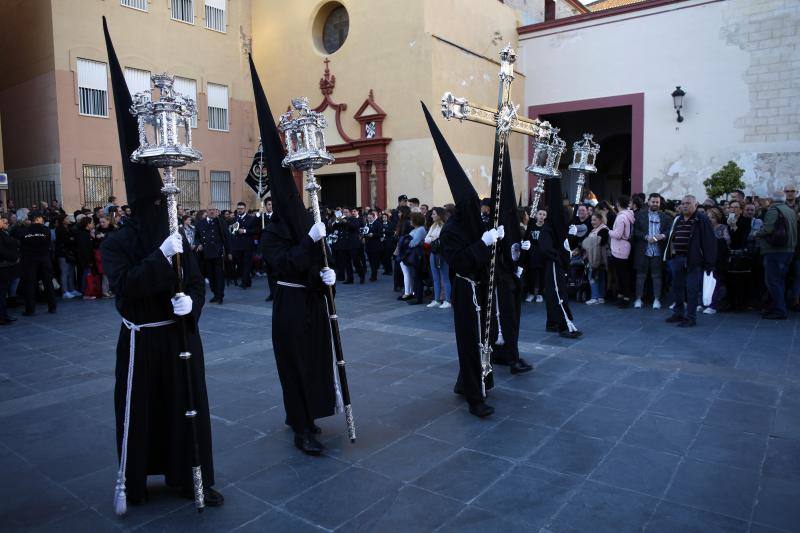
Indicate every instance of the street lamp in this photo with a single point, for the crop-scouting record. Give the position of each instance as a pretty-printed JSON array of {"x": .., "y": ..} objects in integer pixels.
[{"x": 677, "y": 101}]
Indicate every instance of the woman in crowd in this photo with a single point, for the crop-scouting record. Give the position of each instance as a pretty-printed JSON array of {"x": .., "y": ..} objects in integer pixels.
[
  {"x": 720, "y": 269},
  {"x": 187, "y": 229},
  {"x": 439, "y": 269},
  {"x": 401, "y": 238},
  {"x": 85, "y": 256},
  {"x": 535, "y": 265},
  {"x": 411, "y": 260},
  {"x": 104, "y": 227},
  {"x": 620, "y": 261},
  {"x": 65, "y": 255},
  {"x": 596, "y": 247}
]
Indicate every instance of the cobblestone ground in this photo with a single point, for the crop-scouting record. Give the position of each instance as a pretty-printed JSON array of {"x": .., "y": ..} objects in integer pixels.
[{"x": 639, "y": 425}]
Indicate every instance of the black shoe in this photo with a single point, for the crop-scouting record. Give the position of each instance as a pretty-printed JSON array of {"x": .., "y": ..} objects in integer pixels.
[
  {"x": 521, "y": 366},
  {"x": 413, "y": 302},
  {"x": 570, "y": 334},
  {"x": 388, "y": 273},
  {"x": 687, "y": 323},
  {"x": 361, "y": 280},
  {"x": 244, "y": 287},
  {"x": 405, "y": 297},
  {"x": 52, "y": 310},
  {"x": 675, "y": 318},
  {"x": 211, "y": 497},
  {"x": 269, "y": 298},
  {"x": 219, "y": 301},
  {"x": 28, "y": 313},
  {"x": 458, "y": 389},
  {"x": 213, "y": 300},
  {"x": 774, "y": 316},
  {"x": 481, "y": 410},
  {"x": 348, "y": 282},
  {"x": 624, "y": 303},
  {"x": 308, "y": 443},
  {"x": 551, "y": 328},
  {"x": 373, "y": 278}
]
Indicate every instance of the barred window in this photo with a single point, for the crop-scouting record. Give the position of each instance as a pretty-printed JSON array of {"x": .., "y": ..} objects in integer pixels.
[
  {"x": 215, "y": 15},
  {"x": 92, "y": 88},
  {"x": 96, "y": 185},
  {"x": 217, "y": 107},
  {"x": 183, "y": 10},
  {"x": 221, "y": 189},
  {"x": 189, "y": 184},
  {"x": 187, "y": 87},
  {"x": 141, "y": 5},
  {"x": 137, "y": 80}
]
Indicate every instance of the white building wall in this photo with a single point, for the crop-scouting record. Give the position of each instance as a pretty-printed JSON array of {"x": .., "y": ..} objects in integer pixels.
[{"x": 737, "y": 60}]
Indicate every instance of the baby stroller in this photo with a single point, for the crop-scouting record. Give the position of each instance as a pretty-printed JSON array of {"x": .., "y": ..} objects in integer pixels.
[{"x": 578, "y": 279}]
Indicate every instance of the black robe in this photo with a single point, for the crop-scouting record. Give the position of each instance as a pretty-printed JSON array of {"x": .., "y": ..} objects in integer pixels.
[
  {"x": 159, "y": 440},
  {"x": 301, "y": 336},
  {"x": 508, "y": 304},
  {"x": 470, "y": 259},
  {"x": 556, "y": 261}
]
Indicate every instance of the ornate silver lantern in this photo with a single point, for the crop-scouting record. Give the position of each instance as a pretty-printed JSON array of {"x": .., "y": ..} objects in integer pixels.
[
  {"x": 165, "y": 136},
  {"x": 584, "y": 154},
  {"x": 547, "y": 151}
]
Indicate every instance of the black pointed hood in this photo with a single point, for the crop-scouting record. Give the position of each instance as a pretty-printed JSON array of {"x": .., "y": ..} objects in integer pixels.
[
  {"x": 286, "y": 200},
  {"x": 468, "y": 204},
  {"x": 142, "y": 182}
]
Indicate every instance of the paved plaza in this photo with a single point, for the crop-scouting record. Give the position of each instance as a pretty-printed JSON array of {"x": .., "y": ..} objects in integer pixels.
[{"x": 637, "y": 426}]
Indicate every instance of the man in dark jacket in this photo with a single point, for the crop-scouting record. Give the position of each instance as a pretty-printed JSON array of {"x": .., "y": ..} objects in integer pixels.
[
  {"x": 349, "y": 244},
  {"x": 373, "y": 244},
  {"x": 212, "y": 245},
  {"x": 9, "y": 266},
  {"x": 36, "y": 265},
  {"x": 691, "y": 249},
  {"x": 244, "y": 228},
  {"x": 650, "y": 230}
]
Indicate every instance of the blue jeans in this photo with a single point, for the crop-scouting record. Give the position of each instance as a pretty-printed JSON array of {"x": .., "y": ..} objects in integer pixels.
[
  {"x": 597, "y": 282},
  {"x": 687, "y": 282},
  {"x": 776, "y": 269},
  {"x": 441, "y": 278}
]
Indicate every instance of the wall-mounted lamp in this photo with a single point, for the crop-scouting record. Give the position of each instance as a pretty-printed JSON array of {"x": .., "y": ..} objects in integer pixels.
[{"x": 677, "y": 101}]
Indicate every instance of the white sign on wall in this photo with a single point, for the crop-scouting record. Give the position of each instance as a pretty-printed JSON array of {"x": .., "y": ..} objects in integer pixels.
[{"x": 3, "y": 181}]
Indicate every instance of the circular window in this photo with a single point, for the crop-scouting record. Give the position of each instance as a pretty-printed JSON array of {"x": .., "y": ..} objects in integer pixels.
[{"x": 331, "y": 27}]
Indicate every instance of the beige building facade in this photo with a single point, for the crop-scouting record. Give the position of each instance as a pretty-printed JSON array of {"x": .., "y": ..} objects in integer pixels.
[{"x": 59, "y": 129}]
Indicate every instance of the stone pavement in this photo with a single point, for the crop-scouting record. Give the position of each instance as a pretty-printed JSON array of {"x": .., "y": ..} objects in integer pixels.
[{"x": 639, "y": 425}]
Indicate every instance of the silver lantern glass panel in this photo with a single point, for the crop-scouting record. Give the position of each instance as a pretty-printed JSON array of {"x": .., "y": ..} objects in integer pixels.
[
  {"x": 547, "y": 151},
  {"x": 584, "y": 154},
  {"x": 304, "y": 137}
]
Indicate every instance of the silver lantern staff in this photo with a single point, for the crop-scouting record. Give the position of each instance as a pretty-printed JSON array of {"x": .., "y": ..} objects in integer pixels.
[
  {"x": 547, "y": 151},
  {"x": 306, "y": 152},
  {"x": 584, "y": 154},
  {"x": 161, "y": 146}
]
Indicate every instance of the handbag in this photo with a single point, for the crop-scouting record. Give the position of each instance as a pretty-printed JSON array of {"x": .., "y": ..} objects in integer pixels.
[{"x": 709, "y": 284}]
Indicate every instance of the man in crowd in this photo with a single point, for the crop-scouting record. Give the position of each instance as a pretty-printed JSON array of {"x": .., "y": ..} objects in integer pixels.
[
  {"x": 374, "y": 244},
  {"x": 37, "y": 265},
  {"x": 243, "y": 230},
  {"x": 777, "y": 241},
  {"x": 266, "y": 220},
  {"x": 650, "y": 229},
  {"x": 211, "y": 239},
  {"x": 691, "y": 249},
  {"x": 9, "y": 267},
  {"x": 349, "y": 245}
]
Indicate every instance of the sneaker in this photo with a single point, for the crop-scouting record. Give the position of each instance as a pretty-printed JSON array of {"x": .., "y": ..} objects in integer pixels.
[
  {"x": 637, "y": 304},
  {"x": 672, "y": 306},
  {"x": 709, "y": 311},
  {"x": 656, "y": 304},
  {"x": 529, "y": 298},
  {"x": 434, "y": 304},
  {"x": 445, "y": 305},
  {"x": 67, "y": 295},
  {"x": 601, "y": 300},
  {"x": 90, "y": 297},
  {"x": 592, "y": 301},
  {"x": 539, "y": 298},
  {"x": 700, "y": 308}
]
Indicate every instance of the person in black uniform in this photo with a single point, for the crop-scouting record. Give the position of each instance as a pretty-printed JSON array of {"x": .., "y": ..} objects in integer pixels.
[
  {"x": 36, "y": 265},
  {"x": 241, "y": 244},
  {"x": 466, "y": 247},
  {"x": 374, "y": 244},
  {"x": 266, "y": 219},
  {"x": 301, "y": 336},
  {"x": 554, "y": 246},
  {"x": 9, "y": 267},
  {"x": 212, "y": 245},
  {"x": 387, "y": 243},
  {"x": 348, "y": 245},
  {"x": 139, "y": 261}
]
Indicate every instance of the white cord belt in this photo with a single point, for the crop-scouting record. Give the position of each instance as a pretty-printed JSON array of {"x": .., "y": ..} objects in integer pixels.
[
  {"x": 292, "y": 285},
  {"x": 120, "y": 500}
]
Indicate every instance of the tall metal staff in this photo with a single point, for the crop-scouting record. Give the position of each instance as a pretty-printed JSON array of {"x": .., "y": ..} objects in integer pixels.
[
  {"x": 305, "y": 146},
  {"x": 505, "y": 120},
  {"x": 584, "y": 154},
  {"x": 160, "y": 146},
  {"x": 547, "y": 151}
]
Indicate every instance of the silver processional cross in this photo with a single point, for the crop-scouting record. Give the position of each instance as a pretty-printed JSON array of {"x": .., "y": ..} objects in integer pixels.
[{"x": 504, "y": 118}]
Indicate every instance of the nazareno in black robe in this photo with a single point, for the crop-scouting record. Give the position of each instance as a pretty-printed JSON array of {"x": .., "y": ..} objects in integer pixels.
[
  {"x": 159, "y": 440},
  {"x": 301, "y": 335}
]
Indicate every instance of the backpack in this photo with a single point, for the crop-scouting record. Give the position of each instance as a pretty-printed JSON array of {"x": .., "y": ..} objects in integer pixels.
[{"x": 779, "y": 236}]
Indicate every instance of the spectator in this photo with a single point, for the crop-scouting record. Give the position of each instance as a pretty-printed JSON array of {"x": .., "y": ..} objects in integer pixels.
[
  {"x": 619, "y": 261},
  {"x": 691, "y": 249},
  {"x": 411, "y": 260},
  {"x": 9, "y": 267},
  {"x": 536, "y": 259},
  {"x": 112, "y": 202},
  {"x": 85, "y": 257},
  {"x": 596, "y": 247},
  {"x": 777, "y": 242},
  {"x": 104, "y": 227},
  {"x": 722, "y": 234},
  {"x": 65, "y": 255},
  {"x": 650, "y": 230},
  {"x": 440, "y": 272}
]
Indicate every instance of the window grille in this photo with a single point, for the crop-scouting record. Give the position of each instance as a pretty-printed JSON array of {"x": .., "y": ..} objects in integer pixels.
[
  {"x": 96, "y": 185},
  {"x": 189, "y": 184},
  {"x": 217, "y": 107},
  {"x": 92, "y": 88},
  {"x": 141, "y": 5},
  {"x": 215, "y": 15},
  {"x": 187, "y": 87},
  {"x": 221, "y": 189},
  {"x": 183, "y": 10}
]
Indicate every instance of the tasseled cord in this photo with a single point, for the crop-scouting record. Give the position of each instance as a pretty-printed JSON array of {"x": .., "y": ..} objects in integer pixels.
[
  {"x": 570, "y": 325},
  {"x": 120, "y": 498}
]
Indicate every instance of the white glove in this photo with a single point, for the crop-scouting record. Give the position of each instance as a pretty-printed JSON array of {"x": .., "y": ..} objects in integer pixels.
[
  {"x": 181, "y": 304},
  {"x": 328, "y": 276},
  {"x": 518, "y": 273},
  {"x": 317, "y": 231},
  {"x": 501, "y": 232},
  {"x": 489, "y": 237},
  {"x": 573, "y": 230},
  {"x": 172, "y": 245},
  {"x": 526, "y": 245}
]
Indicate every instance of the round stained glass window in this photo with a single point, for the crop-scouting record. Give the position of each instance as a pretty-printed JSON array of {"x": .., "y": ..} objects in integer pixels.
[{"x": 334, "y": 32}]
